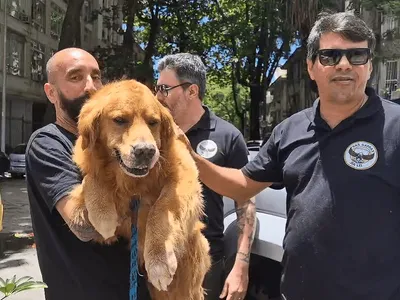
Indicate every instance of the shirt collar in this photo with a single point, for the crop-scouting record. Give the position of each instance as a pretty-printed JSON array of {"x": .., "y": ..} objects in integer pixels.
[
  {"x": 372, "y": 106},
  {"x": 208, "y": 121}
]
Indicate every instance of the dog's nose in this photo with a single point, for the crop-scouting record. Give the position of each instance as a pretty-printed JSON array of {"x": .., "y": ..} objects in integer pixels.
[{"x": 143, "y": 151}]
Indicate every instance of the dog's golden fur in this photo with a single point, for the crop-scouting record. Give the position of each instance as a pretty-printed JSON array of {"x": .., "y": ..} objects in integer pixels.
[{"x": 172, "y": 251}]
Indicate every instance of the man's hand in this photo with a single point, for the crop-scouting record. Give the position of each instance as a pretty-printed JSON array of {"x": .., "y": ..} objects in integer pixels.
[
  {"x": 182, "y": 136},
  {"x": 236, "y": 283},
  {"x": 77, "y": 219}
]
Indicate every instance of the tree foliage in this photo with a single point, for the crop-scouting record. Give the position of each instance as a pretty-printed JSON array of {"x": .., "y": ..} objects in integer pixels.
[
  {"x": 252, "y": 38},
  {"x": 232, "y": 108},
  {"x": 391, "y": 7},
  {"x": 240, "y": 41}
]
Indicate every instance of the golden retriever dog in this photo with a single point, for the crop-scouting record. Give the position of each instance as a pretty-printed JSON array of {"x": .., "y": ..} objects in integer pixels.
[{"x": 128, "y": 147}]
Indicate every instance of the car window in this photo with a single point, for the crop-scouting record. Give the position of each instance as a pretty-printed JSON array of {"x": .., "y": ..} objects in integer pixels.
[{"x": 20, "y": 149}]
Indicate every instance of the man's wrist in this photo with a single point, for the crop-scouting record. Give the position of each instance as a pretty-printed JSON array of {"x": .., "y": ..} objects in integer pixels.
[{"x": 243, "y": 257}]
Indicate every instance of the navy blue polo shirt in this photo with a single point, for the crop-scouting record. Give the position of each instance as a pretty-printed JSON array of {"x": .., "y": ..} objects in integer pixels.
[
  {"x": 223, "y": 144},
  {"x": 343, "y": 205}
]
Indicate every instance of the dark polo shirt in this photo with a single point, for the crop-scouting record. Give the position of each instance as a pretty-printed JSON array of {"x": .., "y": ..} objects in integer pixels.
[
  {"x": 343, "y": 205},
  {"x": 73, "y": 270},
  {"x": 223, "y": 144}
]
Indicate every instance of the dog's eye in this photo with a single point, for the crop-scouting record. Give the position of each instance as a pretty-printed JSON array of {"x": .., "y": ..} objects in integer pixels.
[
  {"x": 120, "y": 121},
  {"x": 153, "y": 122}
]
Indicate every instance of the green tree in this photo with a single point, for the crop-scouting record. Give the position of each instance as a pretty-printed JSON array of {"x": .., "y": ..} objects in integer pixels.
[
  {"x": 251, "y": 39},
  {"x": 71, "y": 29},
  {"x": 220, "y": 98}
]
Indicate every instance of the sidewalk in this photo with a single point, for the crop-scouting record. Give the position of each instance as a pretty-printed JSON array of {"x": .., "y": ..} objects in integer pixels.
[{"x": 17, "y": 253}]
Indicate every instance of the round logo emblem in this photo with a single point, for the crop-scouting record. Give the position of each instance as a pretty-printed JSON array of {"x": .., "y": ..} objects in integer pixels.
[
  {"x": 361, "y": 155},
  {"x": 207, "y": 148}
]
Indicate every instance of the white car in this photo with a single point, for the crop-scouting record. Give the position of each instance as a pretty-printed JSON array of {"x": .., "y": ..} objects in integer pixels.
[{"x": 267, "y": 251}]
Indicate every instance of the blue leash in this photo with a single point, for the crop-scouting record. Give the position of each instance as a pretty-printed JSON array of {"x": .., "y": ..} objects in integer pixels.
[{"x": 134, "y": 248}]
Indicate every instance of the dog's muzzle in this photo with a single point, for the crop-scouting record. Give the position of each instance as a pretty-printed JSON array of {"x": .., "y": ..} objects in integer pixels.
[
  {"x": 143, "y": 153},
  {"x": 140, "y": 161}
]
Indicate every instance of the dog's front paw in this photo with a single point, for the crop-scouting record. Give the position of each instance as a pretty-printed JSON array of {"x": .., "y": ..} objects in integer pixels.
[
  {"x": 161, "y": 267},
  {"x": 105, "y": 225}
]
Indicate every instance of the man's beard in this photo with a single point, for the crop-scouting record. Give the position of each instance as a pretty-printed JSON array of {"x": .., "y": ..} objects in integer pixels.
[{"x": 72, "y": 106}]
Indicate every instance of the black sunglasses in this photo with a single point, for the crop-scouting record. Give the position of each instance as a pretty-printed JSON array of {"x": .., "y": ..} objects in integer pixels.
[
  {"x": 355, "y": 56},
  {"x": 164, "y": 89}
]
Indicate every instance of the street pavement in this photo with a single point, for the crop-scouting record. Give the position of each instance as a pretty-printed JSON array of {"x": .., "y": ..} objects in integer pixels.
[{"x": 17, "y": 253}]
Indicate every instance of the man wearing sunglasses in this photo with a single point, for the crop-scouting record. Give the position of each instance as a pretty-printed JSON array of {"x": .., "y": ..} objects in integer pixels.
[
  {"x": 181, "y": 88},
  {"x": 339, "y": 161}
]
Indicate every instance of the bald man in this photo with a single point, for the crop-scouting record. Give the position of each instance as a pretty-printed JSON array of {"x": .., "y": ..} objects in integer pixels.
[{"x": 71, "y": 265}]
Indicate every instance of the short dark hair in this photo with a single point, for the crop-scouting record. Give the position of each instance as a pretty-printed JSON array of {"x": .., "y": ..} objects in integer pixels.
[
  {"x": 350, "y": 26},
  {"x": 188, "y": 67}
]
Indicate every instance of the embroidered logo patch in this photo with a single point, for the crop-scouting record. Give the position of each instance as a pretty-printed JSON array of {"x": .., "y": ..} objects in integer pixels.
[
  {"x": 361, "y": 155},
  {"x": 207, "y": 148}
]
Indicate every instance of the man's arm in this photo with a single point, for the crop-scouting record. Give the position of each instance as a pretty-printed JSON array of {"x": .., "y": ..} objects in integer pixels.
[
  {"x": 50, "y": 172},
  {"x": 236, "y": 283},
  {"x": 228, "y": 182},
  {"x": 246, "y": 220},
  {"x": 83, "y": 231}
]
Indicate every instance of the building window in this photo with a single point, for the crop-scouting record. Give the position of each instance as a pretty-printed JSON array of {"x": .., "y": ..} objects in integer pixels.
[
  {"x": 56, "y": 21},
  {"x": 391, "y": 78},
  {"x": 37, "y": 61},
  {"x": 39, "y": 14},
  {"x": 86, "y": 34},
  {"x": 87, "y": 11},
  {"x": 17, "y": 9},
  {"x": 15, "y": 54}
]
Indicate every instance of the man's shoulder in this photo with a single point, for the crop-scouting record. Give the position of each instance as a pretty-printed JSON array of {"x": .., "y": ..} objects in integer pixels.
[
  {"x": 303, "y": 117},
  {"x": 391, "y": 106},
  {"x": 49, "y": 129},
  {"x": 49, "y": 136},
  {"x": 226, "y": 127},
  {"x": 391, "y": 116}
]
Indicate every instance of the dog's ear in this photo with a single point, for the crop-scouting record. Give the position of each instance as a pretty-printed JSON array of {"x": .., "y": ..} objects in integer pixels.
[
  {"x": 168, "y": 128},
  {"x": 88, "y": 124}
]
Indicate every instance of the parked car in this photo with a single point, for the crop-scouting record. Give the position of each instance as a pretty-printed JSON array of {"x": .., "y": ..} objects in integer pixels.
[
  {"x": 267, "y": 251},
  {"x": 4, "y": 163},
  {"x": 254, "y": 145},
  {"x": 17, "y": 161}
]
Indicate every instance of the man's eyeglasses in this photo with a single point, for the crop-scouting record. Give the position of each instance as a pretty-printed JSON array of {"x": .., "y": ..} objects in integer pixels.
[
  {"x": 355, "y": 56},
  {"x": 164, "y": 89}
]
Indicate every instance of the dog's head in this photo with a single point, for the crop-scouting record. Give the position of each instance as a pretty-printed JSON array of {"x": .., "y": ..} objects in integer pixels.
[{"x": 125, "y": 121}]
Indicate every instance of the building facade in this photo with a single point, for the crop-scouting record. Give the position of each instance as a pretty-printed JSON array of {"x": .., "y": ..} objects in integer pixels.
[{"x": 33, "y": 32}]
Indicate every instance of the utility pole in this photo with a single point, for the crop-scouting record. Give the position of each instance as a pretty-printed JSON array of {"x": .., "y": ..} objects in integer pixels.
[{"x": 3, "y": 99}]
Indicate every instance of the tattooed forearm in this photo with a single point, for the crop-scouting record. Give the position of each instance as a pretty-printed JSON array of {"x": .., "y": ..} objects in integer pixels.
[
  {"x": 241, "y": 217},
  {"x": 246, "y": 226},
  {"x": 251, "y": 220},
  {"x": 244, "y": 256},
  {"x": 85, "y": 232}
]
